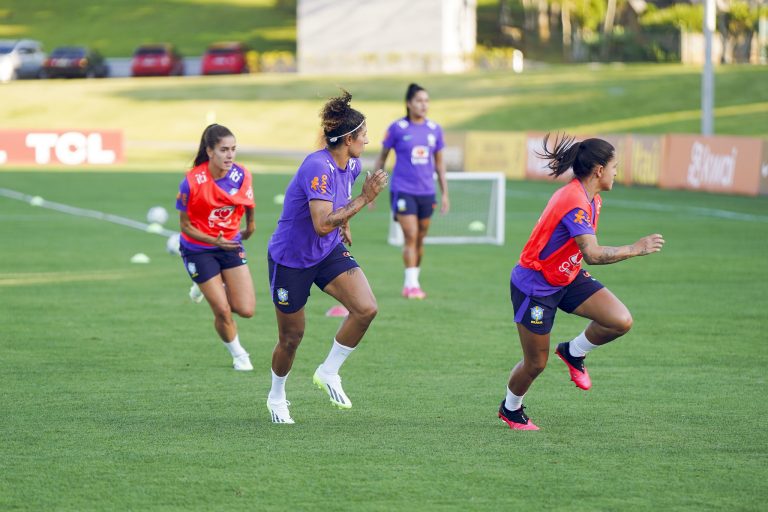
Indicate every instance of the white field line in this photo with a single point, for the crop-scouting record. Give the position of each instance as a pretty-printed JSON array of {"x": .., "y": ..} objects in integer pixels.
[
  {"x": 697, "y": 211},
  {"x": 81, "y": 212}
]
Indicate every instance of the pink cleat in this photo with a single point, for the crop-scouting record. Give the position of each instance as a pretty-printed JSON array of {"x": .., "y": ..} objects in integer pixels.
[
  {"x": 517, "y": 420},
  {"x": 414, "y": 293},
  {"x": 576, "y": 368}
]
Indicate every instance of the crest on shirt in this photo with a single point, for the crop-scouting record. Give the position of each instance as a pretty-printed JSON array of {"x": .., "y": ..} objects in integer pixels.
[
  {"x": 431, "y": 140},
  {"x": 282, "y": 296},
  {"x": 221, "y": 216}
]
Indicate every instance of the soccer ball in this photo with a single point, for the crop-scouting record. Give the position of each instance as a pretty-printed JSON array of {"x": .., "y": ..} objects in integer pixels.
[
  {"x": 157, "y": 215},
  {"x": 172, "y": 244}
]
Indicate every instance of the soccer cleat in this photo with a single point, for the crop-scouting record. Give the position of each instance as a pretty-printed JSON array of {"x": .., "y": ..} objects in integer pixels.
[
  {"x": 576, "y": 368},
  {"x": 195, "y": 295},
  {"x": 242, "y": 363},
  {"x": 279, "y": 412},
  {"x": 414, "y": 293},
  {"x": 331, "y": 384},
  {"x": 517, "y": 420}
]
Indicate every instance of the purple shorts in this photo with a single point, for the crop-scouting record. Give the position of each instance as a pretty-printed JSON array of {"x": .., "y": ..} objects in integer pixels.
[
  {"x": 290, "y": 286},
  {"x": 537, "y": 314},
  {"x": 203, "y": 265},
  {"x": 409, "y": 204}
]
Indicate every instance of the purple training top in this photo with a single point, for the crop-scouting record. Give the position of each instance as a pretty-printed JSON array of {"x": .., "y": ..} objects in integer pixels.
[
  {"x": 230, "y": 183},
  {"x": 531, "y": 282},
  {"x": 415, "y": 146},
  {"x": 295, "y": 243}
]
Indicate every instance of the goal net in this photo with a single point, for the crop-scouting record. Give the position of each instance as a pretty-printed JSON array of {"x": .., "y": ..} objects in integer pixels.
[{"x": 476, "y": 215}]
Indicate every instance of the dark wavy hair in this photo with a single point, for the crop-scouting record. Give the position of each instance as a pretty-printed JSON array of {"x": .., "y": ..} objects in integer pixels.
[
  {"x": 409, "y": 94},
  {"x": 581, "y": 156},
  {"x": 212, "y": 134},
  {"x": 339, "y": 118}
]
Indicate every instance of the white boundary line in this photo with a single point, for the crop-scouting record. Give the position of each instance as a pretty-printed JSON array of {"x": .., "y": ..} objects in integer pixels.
[{"x": 81, "y": 212}]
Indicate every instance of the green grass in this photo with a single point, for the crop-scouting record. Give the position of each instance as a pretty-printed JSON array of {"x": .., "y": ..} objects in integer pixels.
[
  {"x": 117, "y": 27},
  {"x": 162, "y": 118},
  {"x": 117, "y": 394}
]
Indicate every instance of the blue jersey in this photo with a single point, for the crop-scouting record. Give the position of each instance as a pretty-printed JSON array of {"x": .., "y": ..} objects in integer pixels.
[
  {"x": 415, "y": 146},
  {"x": 295, "y": 243}
]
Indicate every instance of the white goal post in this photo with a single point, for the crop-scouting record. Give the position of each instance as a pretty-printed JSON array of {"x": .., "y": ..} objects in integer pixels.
[{"x": 476, "y": 215}]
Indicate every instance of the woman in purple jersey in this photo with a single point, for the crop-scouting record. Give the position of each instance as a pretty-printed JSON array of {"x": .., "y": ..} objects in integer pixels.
[
  {"x": 549, "y": 276},
  {"x": 308, "y": 247},
  {"x": 212, "y": 198},
  {"x": 418, "y": 144}
]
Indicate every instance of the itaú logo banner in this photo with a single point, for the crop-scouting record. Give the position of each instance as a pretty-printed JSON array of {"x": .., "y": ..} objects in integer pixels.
[{"x": 60, "y": 147}]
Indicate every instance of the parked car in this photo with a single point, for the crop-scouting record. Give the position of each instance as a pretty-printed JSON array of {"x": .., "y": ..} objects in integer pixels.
[
  {"x": 75, "y": 62},
  {"x": 20, "y": 58},
  {"x": 157, "y": 60},
  {"x": 225, "y": 59}
]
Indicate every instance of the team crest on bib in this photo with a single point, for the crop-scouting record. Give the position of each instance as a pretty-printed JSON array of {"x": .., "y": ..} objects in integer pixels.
[
  {"x": 282, "y": 296},
  {"x": 536, "y": 315}
]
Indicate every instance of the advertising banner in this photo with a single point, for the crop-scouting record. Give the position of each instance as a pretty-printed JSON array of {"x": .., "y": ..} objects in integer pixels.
[
  {"x": 729, "y": 165},
  {"x": 495, "y": 152},
  {"x": 644, "y": 160},
  {"x": 60, "y": 147}
]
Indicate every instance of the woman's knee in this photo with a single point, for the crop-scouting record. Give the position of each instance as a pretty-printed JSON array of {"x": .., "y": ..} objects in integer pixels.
[
  {"x": 622, "y": 324},
  {"x": 245, "y": 310},
  {"x": 222, "y": 312},
  {"x": 534, "y": 367},
  {"x": 290, "y": 340}
]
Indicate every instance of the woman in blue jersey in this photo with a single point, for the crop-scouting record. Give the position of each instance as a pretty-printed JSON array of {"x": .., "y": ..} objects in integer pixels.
[
  {"x": 308, "y": 247},
  {"x": 418, "y": 144},
  {"x": 549, "y": 277}
]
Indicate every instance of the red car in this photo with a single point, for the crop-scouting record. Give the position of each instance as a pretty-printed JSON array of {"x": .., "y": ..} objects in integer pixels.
[
  {"x": 225, "y": 59},
  {"x": 157, "y": 60}
]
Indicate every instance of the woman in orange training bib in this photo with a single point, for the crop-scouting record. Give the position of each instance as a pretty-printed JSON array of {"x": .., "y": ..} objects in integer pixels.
[
  {"x": 212, "y": 199},
  {"x": 549, "y": 275}
]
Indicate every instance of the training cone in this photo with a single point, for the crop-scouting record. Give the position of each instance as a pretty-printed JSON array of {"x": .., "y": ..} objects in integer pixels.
[{"x": 337, "y": 310}]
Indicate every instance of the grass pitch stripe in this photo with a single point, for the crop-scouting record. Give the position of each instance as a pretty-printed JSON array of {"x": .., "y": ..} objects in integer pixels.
[{"x": 82, "y": 212}]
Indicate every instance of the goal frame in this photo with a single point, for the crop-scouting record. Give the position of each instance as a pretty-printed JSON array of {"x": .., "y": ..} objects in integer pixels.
[{"x": 495, "y": 217}]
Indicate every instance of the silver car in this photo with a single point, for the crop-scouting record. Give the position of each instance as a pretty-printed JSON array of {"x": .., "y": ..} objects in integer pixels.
[{"x": 20, "y": 58}]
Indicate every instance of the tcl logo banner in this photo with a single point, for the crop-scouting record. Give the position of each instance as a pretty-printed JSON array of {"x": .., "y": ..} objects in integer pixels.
[{"x": 51, "y": 147}]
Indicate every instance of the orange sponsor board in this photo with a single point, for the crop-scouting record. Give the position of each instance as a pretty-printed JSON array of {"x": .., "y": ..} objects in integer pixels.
[
  {"x": 495, "y": 152},
  {"x": 764, "y": 170},
  {"x": 60, "y": 147},
  {"x": 714, "y": 164}
]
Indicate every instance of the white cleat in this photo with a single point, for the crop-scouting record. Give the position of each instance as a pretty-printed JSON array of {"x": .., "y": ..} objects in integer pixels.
[
  {"x": 242, "y": 363},
  {"x": 279, "y": 412},
  {"x": 331, "y": 384},
  {"x": 195, "y": 295}
]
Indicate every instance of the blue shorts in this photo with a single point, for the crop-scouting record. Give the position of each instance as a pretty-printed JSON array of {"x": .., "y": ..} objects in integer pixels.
[
  {"x": 290, "y": 286},
  {"x": 537, "y": 314},
  {"x": 203, "y": 265},
  {"x": 409, "y": 204}
]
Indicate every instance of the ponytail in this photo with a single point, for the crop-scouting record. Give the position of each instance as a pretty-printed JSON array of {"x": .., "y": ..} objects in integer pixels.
[
  {"x": 582, "y": 156},
  {"x": 212, "y": 134},
  {"x": 339, "y": 119}
]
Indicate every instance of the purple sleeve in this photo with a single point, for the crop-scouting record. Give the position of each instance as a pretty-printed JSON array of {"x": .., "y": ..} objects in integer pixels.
[
  {"x": 183, "y": 196},
  {"x": 315, "y": 179},
  {"x": 357, "y": 169},
  {"x": 389, "y": 138},
  {"x": 439, "y": 143},
  {"x": 577, "y": 222}
]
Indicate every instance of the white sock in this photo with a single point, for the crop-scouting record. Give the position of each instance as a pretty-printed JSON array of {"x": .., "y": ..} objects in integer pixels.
[
  {"x": 412, "y": 277},
  {"x": 580, "y": 346},
  {"x": 513, "y": 402},
  {"x": 277, "y": 392},
  {"x": 234, "y": 347},
  {"x": 336, "y": 358}
]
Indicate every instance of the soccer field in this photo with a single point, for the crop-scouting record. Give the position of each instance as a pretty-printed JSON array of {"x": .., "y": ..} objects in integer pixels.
[{"x": 117, "y": 395}]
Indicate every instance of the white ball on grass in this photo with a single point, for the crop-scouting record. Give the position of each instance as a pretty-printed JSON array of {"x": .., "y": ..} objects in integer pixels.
[
  {"x": 157, "y": 215},
  {"x": 279, "y": 199},
  {"x": 36, "y": 201},
  {"x": 172, "y": 244}
]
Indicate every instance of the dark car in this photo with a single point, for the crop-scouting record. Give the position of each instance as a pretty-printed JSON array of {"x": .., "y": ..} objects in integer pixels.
[
  {"x": 75, "y": 62},
  {"x": 225, "y": 59},
  {"x": 157, "y": 60}
]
